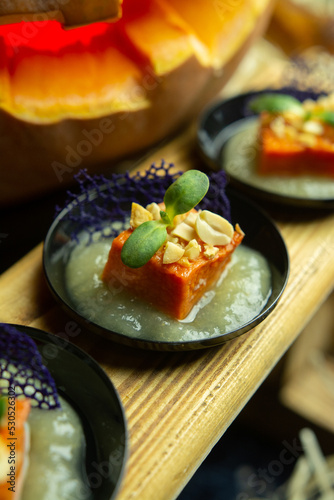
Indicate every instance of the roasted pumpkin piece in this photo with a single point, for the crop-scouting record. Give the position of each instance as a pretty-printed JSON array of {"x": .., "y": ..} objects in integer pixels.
[
  {"x": 296, "y": 153},
  {"x": 172, "y": 257},
  {"x": 172, "y": 288},
  {"x": 296, "y": 140}
]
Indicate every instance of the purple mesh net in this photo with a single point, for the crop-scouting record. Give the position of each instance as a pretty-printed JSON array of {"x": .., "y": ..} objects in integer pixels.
[
  {"x": 102, "y": 199},
  {"x": 21, "y": 367}
]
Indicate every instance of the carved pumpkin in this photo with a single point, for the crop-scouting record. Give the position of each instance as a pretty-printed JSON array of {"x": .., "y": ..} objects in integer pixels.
[{"x": 89, "y": 95}]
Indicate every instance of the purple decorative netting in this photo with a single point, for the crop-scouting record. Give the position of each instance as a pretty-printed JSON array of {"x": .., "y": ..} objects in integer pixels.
[
  {"x": 101, "y": 200},
  {"x": 216, "y": 198},
  {"x": 21, "y": 367}
]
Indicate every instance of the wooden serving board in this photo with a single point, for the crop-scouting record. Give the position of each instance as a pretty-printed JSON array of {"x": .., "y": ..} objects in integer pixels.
[{"x": 178, "y": 404}]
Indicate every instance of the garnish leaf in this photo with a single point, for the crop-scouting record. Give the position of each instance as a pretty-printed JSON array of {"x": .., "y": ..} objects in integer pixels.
[
  {"x": 326, "y": 117},
  {"x": 165, "y": 217},
  {"x": 3, "y": 407},
  {"x": 142, "y": 244},
  {"x": 185, "y": 193},
  {"x": 276, "y": 103},
  {"x": 181, "y": 196}
]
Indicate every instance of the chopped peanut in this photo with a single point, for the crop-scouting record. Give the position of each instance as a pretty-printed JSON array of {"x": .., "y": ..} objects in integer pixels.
[
  {"x": 184, "y": 231},
  {"x": 309, "y": 104},
  {"x": 210, "y": 251},
  {"x": 185, "y": 226},
  {"x": 192, "y": 250},
  {"x": 239, "y": 230},
  {"x": 139, "y": 215},
  {"x": 278, "y": 126},
  {"x": 290, "y": 132},
  {"x": 172, "y": 239},
  {"x": 173, "y": 253},
  {"x": 155, "y": 210},
  {"x": 184, "y": 262},
  {"x": 178, "y": 219},
  {"x": 191, "y": 219},
  {"x": 313, "y": 127},
  {"x": 213, "y": 229},
  {"x": 307, "y": 139}
]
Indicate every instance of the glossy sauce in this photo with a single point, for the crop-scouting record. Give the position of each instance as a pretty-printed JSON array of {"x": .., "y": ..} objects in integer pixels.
[
  {"x": 56, "y": 457},
  {"x": 240, "y": 295}
]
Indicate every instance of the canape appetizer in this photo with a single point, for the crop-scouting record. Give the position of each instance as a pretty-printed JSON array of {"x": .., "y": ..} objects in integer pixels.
[
  {"x": 172, "y": 254},
  {"x": 295, "y": 138}
]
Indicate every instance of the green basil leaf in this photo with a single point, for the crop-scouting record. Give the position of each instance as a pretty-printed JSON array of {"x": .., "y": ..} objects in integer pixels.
[
  {"x": 185, "y": 193},
  {"x": 326, "y": 117},
  {"x": 276, "y": 103},
  {"x": 142, "y": 244}
]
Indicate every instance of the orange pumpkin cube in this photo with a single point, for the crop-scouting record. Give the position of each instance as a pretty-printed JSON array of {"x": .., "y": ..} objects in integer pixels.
[
  {"x": 293, "y": 152},
  {"x": 172, "y": 288}
]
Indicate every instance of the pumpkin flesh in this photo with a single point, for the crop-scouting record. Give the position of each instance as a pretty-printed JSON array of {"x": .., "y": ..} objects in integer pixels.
[{"x": 47, "y": 80}]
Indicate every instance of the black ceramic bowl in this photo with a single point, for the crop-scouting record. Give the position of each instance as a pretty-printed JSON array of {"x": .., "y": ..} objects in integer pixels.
[
  {"x": 261, "y": 235},
  {"x": 223, "y": 121},
  {"x": 83, "y": 383}
]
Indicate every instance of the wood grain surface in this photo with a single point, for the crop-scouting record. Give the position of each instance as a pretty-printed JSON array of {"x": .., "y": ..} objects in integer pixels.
[{"x": 179, "y": 404}]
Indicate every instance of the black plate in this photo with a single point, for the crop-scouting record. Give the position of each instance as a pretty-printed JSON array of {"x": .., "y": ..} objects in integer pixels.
[
  {"x": 261, "y": 235},
  {"x": 225, "y": 119},
  {"x": 83, "y": 383}
]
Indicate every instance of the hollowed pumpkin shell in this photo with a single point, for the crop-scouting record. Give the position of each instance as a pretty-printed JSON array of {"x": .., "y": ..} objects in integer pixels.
[{"x": 87, "y": 96}]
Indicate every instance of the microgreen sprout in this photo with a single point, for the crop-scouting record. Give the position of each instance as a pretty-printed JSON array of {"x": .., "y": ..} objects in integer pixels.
[
  {"x": 181, "y": 196},
  {"x": 277, "y": 103},
  {"x": 326, "y": 116},
  {"x": 3, "y": 407}
]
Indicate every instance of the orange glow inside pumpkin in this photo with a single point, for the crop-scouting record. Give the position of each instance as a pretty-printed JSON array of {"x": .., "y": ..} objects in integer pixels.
[
  {"x": 49, "y": 73},
  {"x": 49, "y": 36},
  {"x": 58, "y": 71}
]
